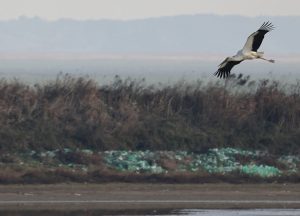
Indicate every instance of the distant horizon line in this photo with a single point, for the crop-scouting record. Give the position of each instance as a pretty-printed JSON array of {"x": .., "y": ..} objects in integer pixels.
[
  {"x": 286, "y": 57},
  {"x": 24, "y": 17}
]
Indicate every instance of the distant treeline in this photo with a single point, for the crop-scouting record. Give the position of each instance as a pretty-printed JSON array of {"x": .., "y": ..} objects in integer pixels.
[{"x": 128, "y": 114}]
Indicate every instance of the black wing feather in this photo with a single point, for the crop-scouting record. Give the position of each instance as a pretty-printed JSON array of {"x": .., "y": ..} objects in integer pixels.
[
  {"x": 223, "y": 72},
  {"x": 260, "y": 34}
]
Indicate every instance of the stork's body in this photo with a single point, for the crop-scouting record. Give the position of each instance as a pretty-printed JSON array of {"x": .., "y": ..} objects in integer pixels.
[{"x": 248, "y": 52}]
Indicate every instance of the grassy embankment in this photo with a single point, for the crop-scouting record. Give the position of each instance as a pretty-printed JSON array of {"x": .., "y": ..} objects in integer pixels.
[{"x": 78, "y": 113}]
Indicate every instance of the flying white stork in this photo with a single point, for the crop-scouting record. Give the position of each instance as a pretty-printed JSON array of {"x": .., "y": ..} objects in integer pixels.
[{"x": 249, "y": 51}]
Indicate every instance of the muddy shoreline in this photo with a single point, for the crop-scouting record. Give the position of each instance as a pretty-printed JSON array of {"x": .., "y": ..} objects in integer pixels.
[{"x": 118, "y": 196}]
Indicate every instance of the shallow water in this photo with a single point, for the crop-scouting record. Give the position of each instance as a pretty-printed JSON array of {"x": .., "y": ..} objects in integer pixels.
[
  {"x": 249, "y": 212},
  {"x": 153, "y": 70},
  {"x": 190, "y": 212}
]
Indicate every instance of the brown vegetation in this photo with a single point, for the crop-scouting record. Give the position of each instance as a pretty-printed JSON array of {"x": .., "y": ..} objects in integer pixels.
[{"x": 78, "y": 113}]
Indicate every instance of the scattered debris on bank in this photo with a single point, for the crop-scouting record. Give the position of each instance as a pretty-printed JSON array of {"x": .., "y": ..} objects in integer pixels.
[
  {"x": 225, "y": 160},
  {"x": 215, "y": 161}
]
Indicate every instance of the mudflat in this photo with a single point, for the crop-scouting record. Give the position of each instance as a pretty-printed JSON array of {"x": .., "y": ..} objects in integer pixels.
[{"x": 148, "y": 196}]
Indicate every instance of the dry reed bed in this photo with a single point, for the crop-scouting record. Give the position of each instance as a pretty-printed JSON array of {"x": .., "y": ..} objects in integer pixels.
[{"x": 74, "y": 113}]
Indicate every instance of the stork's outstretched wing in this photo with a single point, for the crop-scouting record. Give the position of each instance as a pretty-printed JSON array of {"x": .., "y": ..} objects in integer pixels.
[
  {"x": 225, "y": 68},
  {"x": 255, "y": 39}
]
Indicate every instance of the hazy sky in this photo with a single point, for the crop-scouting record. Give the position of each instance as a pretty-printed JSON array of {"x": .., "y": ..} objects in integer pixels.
[{"x": 135, "y": 9}]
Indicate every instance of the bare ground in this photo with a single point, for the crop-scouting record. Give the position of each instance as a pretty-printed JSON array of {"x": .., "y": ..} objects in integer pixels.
[{"x": 115, "y": 196}]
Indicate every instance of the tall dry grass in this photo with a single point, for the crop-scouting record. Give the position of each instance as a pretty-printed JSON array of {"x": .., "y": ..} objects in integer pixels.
[{"x": 127, "y": 114}]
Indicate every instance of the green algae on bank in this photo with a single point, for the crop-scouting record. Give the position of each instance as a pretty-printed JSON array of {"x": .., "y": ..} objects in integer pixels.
[{"x": 221, "y": 161}]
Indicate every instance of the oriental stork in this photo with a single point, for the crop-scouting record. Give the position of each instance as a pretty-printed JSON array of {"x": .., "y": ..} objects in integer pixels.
[{"x": 248, "y": 52}]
